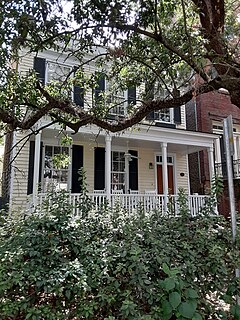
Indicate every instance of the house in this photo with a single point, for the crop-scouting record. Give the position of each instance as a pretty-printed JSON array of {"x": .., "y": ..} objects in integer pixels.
[
  {"x": 206, "y": 114},
  {"x": 146, "y": 164}
]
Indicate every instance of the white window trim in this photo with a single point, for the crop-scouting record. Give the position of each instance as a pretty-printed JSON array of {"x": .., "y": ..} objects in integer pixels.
[
  {"x": 67, "y": 65},
  {"x": 125, "y": 103},
  {"x": 69, "y": 168},
  {"x": 121, "y": 172}
]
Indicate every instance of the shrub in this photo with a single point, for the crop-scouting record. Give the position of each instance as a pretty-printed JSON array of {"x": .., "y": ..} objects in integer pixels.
[{"x": 109, "y": 265}]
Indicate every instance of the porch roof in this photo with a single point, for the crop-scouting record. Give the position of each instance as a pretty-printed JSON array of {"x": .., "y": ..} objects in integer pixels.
[{"x": 178, "y": 140}]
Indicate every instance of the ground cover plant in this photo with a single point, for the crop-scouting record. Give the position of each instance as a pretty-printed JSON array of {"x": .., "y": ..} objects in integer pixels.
[{"x": 108, "y": 265}]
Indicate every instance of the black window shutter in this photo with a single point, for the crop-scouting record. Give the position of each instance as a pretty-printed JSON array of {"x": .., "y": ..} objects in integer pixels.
[
  {"x": 31, "y": 167},
  {"x": 149, "y": 95},
  {"x": 132, "y": 95},
  {"x": 223, "y": 158},
  {"x": 222, "y": 149},
  {"x": 177, "y": 115},
  {"x": 41, "y": 162},
  {"x": 99, "y": 89},
  {"x": 99, "y": 168},
  {"x": 78, "y": 96},
  {"x": 40, "y": 67},
  {"x": 77, "y": 163},
  {"x": 133, "y": 171}
]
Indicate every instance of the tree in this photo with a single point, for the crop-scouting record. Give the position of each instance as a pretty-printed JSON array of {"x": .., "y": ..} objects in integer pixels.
[{"x": 177, "y": 48}]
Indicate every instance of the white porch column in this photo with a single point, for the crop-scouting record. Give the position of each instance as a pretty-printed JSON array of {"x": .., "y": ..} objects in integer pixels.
[
  {"x": 165, "y": 173},
  {"x": 235, "y": 156},
  {"x": 218, "y": 157},
  {"x": 218, "y": 151},
  {"x": 211, "y": 163},
  {"x": 108, "y": 141},
  {"x": 36, "y": 166}
]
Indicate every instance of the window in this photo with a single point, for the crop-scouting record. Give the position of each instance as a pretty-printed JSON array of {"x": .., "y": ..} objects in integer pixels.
[
  {"x": 118, "y": 170},
  {"x": 113, "y": 99},
  {"x": 54, "y": 74},
  {"x": 117, "y": 98},
  {"x": 55, "y": 174},
  {"x": 57, "y": 72},
  {"x": 169, "y": 159},
  {"x": 164, "y": 115},
  {"x": 155, "y": 91}
]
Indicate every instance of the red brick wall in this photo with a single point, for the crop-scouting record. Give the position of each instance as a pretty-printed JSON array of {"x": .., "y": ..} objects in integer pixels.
[
  {"x": 211, "y": 106},
  {"x": 214, "y": 106}
]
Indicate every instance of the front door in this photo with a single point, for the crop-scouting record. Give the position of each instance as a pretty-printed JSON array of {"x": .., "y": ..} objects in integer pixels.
[{"x": 160, "y": 179}]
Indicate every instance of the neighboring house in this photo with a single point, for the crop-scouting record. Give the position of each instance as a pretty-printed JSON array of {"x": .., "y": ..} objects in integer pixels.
[
  {"x": 206, "y": 114},
  {"x": 144, "y": 164}
]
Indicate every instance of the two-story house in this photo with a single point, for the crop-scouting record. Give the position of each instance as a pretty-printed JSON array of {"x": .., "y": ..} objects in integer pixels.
[{"x": 144, "y": 164}]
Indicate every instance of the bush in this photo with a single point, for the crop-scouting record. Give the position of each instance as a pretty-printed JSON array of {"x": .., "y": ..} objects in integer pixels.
[{"x": 109, "y": 265}]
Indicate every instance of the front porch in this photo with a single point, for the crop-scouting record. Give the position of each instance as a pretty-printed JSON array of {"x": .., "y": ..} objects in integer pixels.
[
  {"x": 136, "y": 170},
  {"x": 133, "y": 203}
]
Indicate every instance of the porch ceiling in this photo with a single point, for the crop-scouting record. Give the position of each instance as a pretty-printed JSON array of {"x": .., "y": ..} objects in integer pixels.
[{"x": 178, "y": 141}]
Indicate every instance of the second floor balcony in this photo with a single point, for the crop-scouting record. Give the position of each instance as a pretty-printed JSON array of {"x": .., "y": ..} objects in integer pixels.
[{"x": 221, "y": 169}]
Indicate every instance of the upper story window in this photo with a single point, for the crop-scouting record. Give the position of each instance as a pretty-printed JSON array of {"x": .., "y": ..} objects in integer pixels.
[
  {"x": 170, "y": 116},
  {"x": 164, "y": 115},
  {"x": 50, "y": 71},
  {"x": 109, "y": 96},
  {"x": 117, "y": 98},
  {"x": 57, "y": 72}
]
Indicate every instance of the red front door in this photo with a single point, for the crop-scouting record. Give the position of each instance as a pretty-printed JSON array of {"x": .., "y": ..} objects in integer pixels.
[{"x": 160, "y": 179}]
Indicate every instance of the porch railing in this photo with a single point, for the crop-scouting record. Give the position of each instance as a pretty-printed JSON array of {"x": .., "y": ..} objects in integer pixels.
[
  {"x": 137, "y": 202},
  {"x": 221, "y": 169}
]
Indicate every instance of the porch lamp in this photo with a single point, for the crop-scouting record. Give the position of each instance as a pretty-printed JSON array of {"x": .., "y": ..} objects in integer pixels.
[{"x": 150, "y": 165}]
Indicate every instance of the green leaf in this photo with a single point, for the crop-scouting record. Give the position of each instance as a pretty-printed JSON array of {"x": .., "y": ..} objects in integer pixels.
[
  {"x": 191, "y": 293},
  {"x": 235, "y": 311},
  {"x": 197, "y": 316},
  {"x": 169, "y": 284},
  {"x": 167, "y": 310},
  {"x": 68, "y": 294},
  {"x": 165, "y": 268},
  {"x": 187, "y": 309},
  {"x": 174, "y": 299}
]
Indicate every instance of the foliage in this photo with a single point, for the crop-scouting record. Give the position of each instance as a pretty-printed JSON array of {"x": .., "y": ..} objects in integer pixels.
[
  {"x": 108, "y": 265},
  {"x": 167, "y": 45}
]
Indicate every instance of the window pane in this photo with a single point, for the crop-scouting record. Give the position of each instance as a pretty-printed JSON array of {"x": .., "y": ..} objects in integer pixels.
[
  {"x": 54, "y": 177},
  {"x": 118, "y": 168},
  {"x": 57, "y": 150},
  {"x": 57, "y": 72},
  {"x": 65, "y": 150},
  {"x": 48, "y": 150},
  {"x": 116, "y": 98}
]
